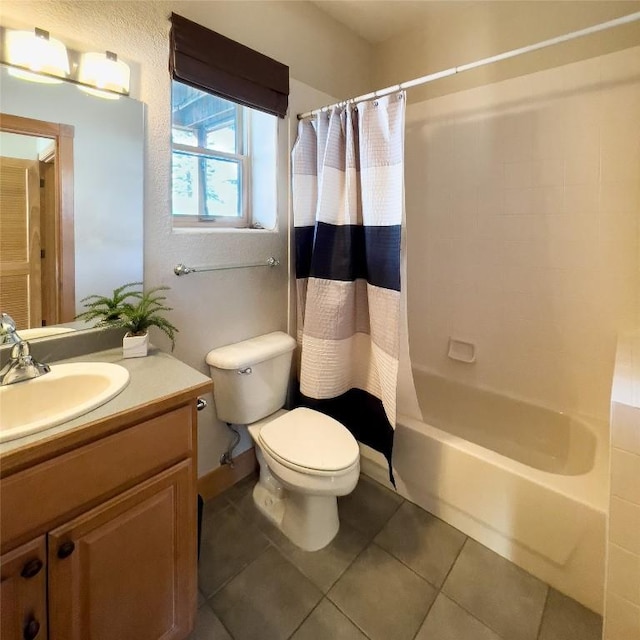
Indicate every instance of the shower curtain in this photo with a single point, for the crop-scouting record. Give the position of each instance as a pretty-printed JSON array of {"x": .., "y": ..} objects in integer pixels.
[{"x": 348, "y": 203}]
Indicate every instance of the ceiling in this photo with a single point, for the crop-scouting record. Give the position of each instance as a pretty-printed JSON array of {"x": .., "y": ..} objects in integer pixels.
[{"x": 379, "y": 20}]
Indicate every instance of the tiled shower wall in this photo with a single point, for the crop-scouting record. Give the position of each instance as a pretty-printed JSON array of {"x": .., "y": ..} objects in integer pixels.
[
  {"x": 523, "y": 210},
  {"x": 622, "y": 601}
]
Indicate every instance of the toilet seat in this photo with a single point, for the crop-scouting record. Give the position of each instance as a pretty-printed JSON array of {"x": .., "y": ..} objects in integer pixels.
[{"x": 310, "y": 442}]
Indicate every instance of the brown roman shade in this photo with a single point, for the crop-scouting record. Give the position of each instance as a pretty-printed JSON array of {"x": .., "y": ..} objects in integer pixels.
[{"x": 211, "y": 62}]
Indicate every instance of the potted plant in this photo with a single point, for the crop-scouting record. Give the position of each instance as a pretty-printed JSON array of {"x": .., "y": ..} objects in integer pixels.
[
  {"x": 107, "y": 310},
  {"x": 143, "y": 310}
]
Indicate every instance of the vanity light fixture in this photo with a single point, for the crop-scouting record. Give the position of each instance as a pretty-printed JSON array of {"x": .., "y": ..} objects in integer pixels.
[
  {"x": 103, "y": 75},
  {"x": 34, "y": 53}
]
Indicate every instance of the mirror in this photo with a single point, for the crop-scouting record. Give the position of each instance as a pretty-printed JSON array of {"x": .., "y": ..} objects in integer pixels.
[{"x": 96, "y": 217}]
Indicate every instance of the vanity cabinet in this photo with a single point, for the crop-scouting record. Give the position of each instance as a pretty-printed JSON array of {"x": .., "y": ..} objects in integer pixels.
[
  {"x": 111, "y": 526},
  {"x": 23, "y": 591}
]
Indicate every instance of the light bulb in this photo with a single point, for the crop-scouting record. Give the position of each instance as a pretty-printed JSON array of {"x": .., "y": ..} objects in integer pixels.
[
  {"x": 103, "y": 71},
  {"x": 37, "y": 53}
]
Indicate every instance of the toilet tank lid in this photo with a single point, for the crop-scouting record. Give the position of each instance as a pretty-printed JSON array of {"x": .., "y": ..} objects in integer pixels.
[{"x": 249, "y": 352}]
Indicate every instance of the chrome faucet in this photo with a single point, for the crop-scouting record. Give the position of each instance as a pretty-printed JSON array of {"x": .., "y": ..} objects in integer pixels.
[
  {"x": 21, "y": 365},
  {"x": 8, "y": 334}
]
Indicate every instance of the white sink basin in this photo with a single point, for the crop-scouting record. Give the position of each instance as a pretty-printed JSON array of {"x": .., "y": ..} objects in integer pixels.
[{"x": 66, "y": 392}]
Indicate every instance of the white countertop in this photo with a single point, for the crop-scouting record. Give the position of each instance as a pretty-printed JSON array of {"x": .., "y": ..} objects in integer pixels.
[{"x": 158, "y": 375}]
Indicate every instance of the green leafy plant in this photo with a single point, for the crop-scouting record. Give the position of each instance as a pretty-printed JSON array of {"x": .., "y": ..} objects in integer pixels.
[
  {"x": 108, "y": 310},
  {"x": 144, "y": 311}
]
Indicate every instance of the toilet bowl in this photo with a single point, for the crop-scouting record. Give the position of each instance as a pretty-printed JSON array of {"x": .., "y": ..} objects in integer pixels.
[
  {"x": 306, "y": 461},
  {"x": 306, "y": 458}
]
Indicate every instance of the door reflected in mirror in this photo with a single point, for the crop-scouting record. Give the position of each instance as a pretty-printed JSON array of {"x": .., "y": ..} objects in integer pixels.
[
  {"x": 92, "y": 234},
  {"x": 36, "y": 222}
]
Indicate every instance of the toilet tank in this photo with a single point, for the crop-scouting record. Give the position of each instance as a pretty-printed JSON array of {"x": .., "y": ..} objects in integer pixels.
[{"x": 250, "y": 378}]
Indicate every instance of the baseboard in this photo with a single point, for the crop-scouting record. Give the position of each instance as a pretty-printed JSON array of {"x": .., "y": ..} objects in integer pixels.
[{"x": 220, "y": 479}]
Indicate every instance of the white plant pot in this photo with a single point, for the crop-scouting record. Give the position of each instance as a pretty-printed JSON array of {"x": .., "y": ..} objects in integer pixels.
[{"x": 135, "y": 346}]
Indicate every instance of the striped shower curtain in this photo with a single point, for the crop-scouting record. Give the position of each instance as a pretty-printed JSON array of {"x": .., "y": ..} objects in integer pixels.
[{"x": 348, "y": 200}]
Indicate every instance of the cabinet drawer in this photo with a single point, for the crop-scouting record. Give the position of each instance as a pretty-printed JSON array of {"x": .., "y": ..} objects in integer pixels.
[{"x": 39, "y": 497}]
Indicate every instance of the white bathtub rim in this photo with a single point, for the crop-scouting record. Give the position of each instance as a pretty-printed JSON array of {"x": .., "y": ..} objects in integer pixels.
[
  {"x": 541, "y": 405},
  {"x": 590, "y": 489}
]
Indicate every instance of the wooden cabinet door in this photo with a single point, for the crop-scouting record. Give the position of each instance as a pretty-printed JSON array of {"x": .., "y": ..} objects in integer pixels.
[
  {"x": 23, "y": 592},
  {"x": 127, "y": 569},
  {"x": 20, "y": 282}
]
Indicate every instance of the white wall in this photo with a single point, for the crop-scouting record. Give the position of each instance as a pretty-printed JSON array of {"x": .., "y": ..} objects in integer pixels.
[
  {"x": 211, "y": 309},
  {"x": 523, "y": 210},
  {"x": 454, "y": 33},
  {"x": 14, "y": 145}
]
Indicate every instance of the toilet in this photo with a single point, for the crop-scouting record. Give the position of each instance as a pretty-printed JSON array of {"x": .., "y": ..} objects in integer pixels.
[{"x": 306, "y": 458}]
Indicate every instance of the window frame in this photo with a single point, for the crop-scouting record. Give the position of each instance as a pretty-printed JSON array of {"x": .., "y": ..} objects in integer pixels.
[{"x": 244, "y": 162}]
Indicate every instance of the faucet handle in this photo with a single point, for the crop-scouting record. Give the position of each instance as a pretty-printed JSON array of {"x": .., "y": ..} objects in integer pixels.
[
  {"x": 8, "y": 333},
  {"x": 21, "y": 351},
  {"x": 21, "y": 354},
  {"x": 21, "y": 365}
]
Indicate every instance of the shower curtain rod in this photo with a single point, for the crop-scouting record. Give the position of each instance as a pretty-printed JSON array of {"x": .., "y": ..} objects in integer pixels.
[{"x": 631, "y": 17}]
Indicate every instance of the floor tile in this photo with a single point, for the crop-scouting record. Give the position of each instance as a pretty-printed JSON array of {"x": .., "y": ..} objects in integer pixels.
[
  {"x": 239, "y": 490},
  {"x": 424, "y": 543},
  {"x": 325, "y": 566},
  {"x": 382, "y": 596},
  {"x": 369, "y": 506},
  {"x": 201, "y": 598},
  {"x": 503, "y": 596},
  {"x": 213, "y": 507},
  {"x": 208, "y": 626},
  {"x": 566, "y": 619},
  {"x": 326, "y": 622},
  {"x": 448, "y": 621},
  {"x": 227, "y": 546},
  {"x": 267, "y": 600}
]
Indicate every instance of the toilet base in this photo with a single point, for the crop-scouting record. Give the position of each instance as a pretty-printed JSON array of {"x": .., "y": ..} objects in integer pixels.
[
  {"x": 310, "y": 522},
  {"x": 269, "y": 504}
]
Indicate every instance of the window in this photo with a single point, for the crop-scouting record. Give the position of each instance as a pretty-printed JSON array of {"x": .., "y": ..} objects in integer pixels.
[
  {"x": 209, "y": 157},
  {"x": 220, "y": 149},
  {"x": 226, "y": 101}
]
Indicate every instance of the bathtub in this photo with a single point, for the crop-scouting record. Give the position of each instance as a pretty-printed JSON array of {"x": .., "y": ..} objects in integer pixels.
[{"x": 527, "y": 482}]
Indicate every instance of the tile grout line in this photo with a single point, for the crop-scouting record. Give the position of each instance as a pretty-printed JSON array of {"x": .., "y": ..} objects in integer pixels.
[
  {"x": 317, "y": 604},
  {"x": 450, "y": 596},
  {"x": 438, "y": 589},
  {"x": 206, "y": 604},
  {"x": 544, "y": 608},
  {"x": 335, "y": 604},
  {"x": 235, "y": 575},
  {"x": 453, "y": 564},
  {"x": 344, "y": 613}
]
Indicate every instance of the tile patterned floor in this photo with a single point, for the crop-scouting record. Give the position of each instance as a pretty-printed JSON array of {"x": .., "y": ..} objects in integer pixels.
[{"x": 393, "y": 572}]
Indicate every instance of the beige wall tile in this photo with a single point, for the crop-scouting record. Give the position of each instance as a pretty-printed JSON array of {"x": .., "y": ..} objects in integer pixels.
[
  {"x": 624, "y": 524},
  {"x": 625, "y": 476},
  {"x": 625, "y": 428},
  {"x": 513, "y": 206},
  {"x": 620, "y": 197},
  {"x": 622, "y": 619},
  {"x": 623, "y": 575}
]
